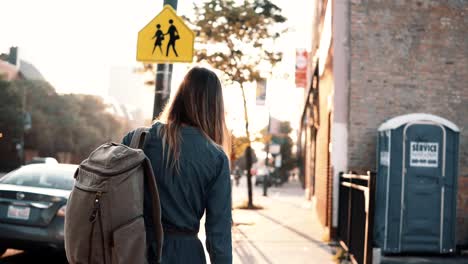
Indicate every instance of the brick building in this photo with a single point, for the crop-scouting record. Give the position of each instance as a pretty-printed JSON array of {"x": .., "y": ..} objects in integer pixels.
[{"x": 373, "y": 60}]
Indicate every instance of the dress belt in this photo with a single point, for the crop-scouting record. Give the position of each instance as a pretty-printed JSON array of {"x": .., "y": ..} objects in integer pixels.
[{"x": 180, "y": 232}]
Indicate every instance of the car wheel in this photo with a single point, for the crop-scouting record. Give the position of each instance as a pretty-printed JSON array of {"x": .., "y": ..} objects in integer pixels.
[{"x": 2, "y": 250}]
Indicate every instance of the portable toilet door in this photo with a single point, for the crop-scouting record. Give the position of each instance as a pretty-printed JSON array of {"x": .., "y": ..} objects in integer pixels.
[
  {"x": 428, "y": 187},
  {"x": 422, "y": 191}
]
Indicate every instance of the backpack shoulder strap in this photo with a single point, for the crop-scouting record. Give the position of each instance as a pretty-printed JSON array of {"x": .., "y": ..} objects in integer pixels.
[
  {"x": 138, "y": 137},
  {"x": 156, "y": 206}
]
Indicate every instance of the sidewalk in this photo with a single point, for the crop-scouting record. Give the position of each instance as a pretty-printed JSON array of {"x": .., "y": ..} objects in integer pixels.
[{"x": 285, "y": 231}]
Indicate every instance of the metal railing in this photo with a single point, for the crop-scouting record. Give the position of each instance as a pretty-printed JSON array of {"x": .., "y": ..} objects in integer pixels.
[{"x": 356, "y": 216}]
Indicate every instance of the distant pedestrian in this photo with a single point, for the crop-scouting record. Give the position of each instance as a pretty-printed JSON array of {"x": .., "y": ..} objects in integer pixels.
[
  {"x": 159, "y": 37},
  {"x": 237, "y": 175},
  {"x": 186, "y": 149},
  {"x": 173, "y": 37}
]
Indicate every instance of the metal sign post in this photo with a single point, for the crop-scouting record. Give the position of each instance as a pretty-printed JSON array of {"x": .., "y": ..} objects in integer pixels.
[{"x": 165, "y": 39}]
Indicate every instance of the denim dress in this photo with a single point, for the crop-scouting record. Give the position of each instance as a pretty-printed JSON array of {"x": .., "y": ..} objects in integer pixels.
[{"x": 200, "y": 185}]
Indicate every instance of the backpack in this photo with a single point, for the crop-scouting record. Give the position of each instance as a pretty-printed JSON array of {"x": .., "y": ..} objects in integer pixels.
[{"x": 104, "y": 217}]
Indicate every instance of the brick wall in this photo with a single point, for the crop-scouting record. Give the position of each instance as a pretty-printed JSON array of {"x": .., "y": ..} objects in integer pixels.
[
  {"x": 462, "y": 212},
  {"x": 408, "y": 56}
]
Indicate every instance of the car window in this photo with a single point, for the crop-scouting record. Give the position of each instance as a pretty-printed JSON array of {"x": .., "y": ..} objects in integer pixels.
[
  {"x": 38, "y": 160},
  {"x": 35, "y": 161},
  {"x": 56, "y": 178}
]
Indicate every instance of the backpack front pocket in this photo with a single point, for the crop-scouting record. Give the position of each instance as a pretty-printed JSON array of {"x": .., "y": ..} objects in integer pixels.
[
  {"x": 129, "y": 242},
  {"x": 84, "y": 233}
]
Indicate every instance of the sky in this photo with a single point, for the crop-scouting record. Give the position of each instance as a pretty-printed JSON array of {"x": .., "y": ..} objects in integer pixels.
[{"x": 76, "y": 44}]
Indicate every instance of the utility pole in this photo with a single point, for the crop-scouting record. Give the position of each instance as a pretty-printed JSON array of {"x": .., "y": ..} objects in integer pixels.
[
  {"x": 14, "y": 59},
  {"x": 163, "y": 78},
  {"x": 267, "y": 176}
]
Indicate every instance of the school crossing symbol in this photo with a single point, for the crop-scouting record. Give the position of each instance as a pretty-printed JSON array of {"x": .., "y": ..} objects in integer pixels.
[{"x": 166, "y": 38}]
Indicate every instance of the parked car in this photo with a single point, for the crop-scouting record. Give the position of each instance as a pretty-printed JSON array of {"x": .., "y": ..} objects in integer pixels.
[
  {"x": 47, "y": 160},
  {"x": 259, "y": 179},
  {"x": 33, "y": 200},
  {"x": 262, "y": 176},
  {"x": 273, "y": 177}
]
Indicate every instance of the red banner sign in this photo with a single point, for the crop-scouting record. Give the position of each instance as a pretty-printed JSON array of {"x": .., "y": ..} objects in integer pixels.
[{"x": 301, "y": 68}]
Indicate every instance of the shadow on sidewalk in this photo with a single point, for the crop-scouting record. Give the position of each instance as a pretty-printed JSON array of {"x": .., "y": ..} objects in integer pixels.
[
  {"x": 243, "y": 253},
  {"x": 297, "y": 232}
]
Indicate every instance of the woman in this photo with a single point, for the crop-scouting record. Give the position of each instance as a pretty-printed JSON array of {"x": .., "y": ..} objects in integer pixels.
[{"x": 192, "y": 171}]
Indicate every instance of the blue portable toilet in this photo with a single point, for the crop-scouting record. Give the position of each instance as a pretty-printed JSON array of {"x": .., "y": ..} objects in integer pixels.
[{"x": 417, "y": 171}]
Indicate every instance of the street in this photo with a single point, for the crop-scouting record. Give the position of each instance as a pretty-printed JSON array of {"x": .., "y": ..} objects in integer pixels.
[
  {"x": 13, "y": 256},
  {"x": 44, "y": 256}
]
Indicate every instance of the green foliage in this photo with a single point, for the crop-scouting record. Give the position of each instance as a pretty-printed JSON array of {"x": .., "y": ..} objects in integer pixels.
[
  {"x": 10, "y": 110},
  {"x": 96, "y": 126},
  {"x": 239, "y": 145},
  {"x": 286, "y": 143},
  {"x": 239, "y": 149},
  {"x": 288, "y": 160},
  {"x": 10, "y": 125},
  {"x": 60, "y": 123},
  {"x": 238, "y": 38},
  {"x": 241, "y": 161},
  {"x": 285, "y": 128}
]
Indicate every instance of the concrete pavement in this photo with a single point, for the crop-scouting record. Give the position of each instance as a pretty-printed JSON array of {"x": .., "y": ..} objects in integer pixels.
[{"x": 285, "y": 231}]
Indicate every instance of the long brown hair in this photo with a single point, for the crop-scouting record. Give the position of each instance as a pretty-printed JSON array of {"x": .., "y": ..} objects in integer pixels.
[{"x": 198, "y": 103}]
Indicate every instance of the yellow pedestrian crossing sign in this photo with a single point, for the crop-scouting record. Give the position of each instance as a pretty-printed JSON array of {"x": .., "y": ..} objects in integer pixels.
[{"x": 166, "y": 38}]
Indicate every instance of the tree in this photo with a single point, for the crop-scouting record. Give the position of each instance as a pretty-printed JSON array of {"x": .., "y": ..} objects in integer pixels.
[
  {"x": 41, "y": 101},
  {"x": 93, "y": 125},
  {"x": 238, "y": 40},
  {"x": 239, "y": 144},
  {"x": 74, "y": 124},
  {"x": 10, "y": 125},
  {"x": 239, "y": 152}
]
